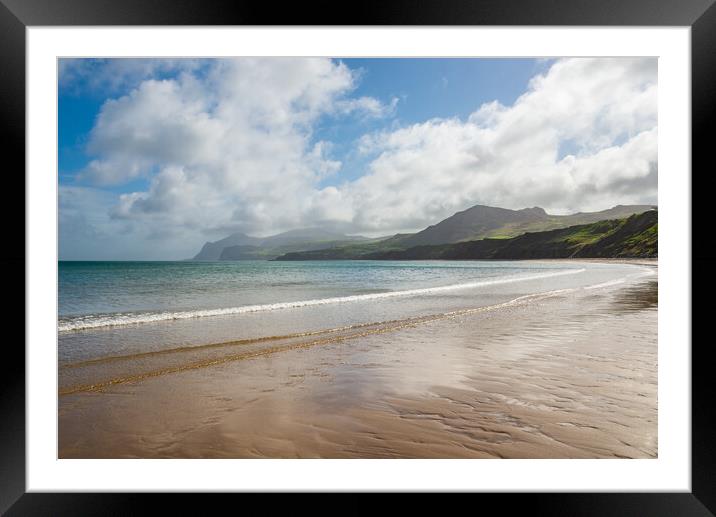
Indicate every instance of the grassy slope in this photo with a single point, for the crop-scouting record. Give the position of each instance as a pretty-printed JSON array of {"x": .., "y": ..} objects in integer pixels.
[
  {"x": 554, "y": 222},
  {"x": 350, "y": 251},
  {"x": 397, "y": 243},
  {"x": 485, "y": 222},
  {"x": 635, "y": 236}
]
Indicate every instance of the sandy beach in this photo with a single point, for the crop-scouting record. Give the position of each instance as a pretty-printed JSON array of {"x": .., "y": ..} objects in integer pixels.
[
  {"x": 352, "y": 257},
  {"x": 565, "y": 374}
]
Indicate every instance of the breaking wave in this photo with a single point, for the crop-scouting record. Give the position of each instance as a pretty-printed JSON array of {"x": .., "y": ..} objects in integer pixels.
[{"x": 94, "y": 321}]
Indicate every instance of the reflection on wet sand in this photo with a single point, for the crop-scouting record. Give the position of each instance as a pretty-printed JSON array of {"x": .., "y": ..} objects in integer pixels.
[
  {"x": 641, "y": 296},
  {"x": 571, "y": 375},
  {"x": 100, "y": 373}
]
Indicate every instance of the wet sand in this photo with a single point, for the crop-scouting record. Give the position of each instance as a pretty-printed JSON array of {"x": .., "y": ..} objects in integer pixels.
[{"x": 572, "y": 374}]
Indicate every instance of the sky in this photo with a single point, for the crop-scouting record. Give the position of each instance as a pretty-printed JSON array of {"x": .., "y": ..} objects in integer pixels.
[{"x": 158, "y": 156}]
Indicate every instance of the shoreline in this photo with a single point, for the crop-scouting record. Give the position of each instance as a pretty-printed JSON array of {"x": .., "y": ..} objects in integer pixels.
[
  {"x": 605, "y": 260},
  {"x": 636, "y": 261},
  {"x": 83, "y": 322},
  {"x": 243, "y": 309},
  {"x": 572, "y": 375},
  {"x": 210, "y": 354}
]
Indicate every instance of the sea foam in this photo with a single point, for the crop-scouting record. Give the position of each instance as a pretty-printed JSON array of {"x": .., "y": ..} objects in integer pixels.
[{"x": 94, "y": 321}]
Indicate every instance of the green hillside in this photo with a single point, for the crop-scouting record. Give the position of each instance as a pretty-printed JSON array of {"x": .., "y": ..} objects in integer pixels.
[
  {"x": 634, "y": 236},
  {"x": 476, "y": 223},
  {"x": 482, "y": 222}
]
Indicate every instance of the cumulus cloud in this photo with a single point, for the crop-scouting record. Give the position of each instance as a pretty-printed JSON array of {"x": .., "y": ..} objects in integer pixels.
[
  {"x": 231, "y": 146},
  {"x": 509, "y": 156}
]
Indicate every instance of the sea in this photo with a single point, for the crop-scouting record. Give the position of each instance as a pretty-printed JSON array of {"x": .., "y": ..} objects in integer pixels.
[{"x": 119, "y": 308}]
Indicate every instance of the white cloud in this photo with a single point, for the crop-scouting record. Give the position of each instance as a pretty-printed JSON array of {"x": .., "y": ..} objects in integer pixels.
[
  {"x": 232, "y": 148},
  {"x": 606, "y": 109},
  {"x": 369, "y": 106}
]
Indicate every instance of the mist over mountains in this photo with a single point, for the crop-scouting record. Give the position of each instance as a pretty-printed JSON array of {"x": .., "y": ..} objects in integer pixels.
[
  {"x": 476, "y": 223},
  {"x": 239, "y": 246}
]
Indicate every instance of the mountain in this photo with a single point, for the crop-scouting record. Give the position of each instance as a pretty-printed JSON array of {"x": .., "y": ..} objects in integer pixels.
[
  {"x": 475, "y": 223},
  {"x": 239, "y": 246},
  {"x": 240, "y": 252},
  {"x": 478, "y": 222},
  {"x": 481, "y": 222},
  {"x": 305, "y": 235},
  {"x": 212, "y": 250},
  {"x": 634, "y": 236}
]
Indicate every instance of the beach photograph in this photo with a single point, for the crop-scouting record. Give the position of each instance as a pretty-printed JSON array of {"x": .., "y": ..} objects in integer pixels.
[{"x": 357, "y": 258}]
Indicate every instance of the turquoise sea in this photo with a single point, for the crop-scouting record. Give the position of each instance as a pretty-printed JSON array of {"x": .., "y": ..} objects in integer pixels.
[{"x": 128, "y": 307}]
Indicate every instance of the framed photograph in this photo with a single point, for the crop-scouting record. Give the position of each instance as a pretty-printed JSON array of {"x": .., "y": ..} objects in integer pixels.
[{"x": 269, "y": 254}]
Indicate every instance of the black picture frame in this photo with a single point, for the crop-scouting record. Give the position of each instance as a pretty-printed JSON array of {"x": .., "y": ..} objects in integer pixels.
[{"x": 700, "y": 15}]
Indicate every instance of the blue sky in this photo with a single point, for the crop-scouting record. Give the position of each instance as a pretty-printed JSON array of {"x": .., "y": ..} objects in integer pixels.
[
  {"x": 425, "y": 88},
  {"x": 157, "y": 156}
]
